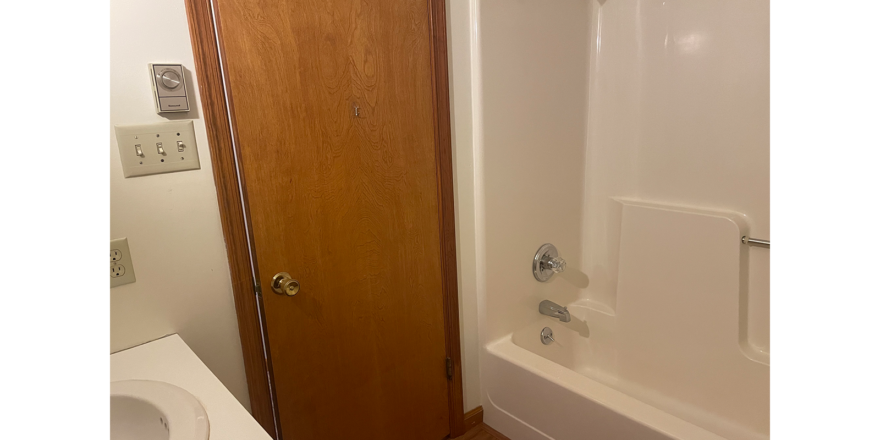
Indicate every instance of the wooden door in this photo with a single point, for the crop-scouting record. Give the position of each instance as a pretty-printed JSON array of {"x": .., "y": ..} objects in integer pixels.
[{"x": 335, "y": 119}]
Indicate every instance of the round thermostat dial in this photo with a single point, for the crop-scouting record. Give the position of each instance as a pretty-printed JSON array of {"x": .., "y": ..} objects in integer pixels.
[{"x": 170, "y": 79}]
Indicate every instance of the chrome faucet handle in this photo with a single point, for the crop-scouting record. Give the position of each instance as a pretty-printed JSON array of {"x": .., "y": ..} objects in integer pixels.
[
  {"x": 556, "y": 264},
  {"x": 547, "y": 262}
]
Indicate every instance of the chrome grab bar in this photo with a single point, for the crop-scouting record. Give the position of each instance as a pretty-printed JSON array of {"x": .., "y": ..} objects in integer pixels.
[{"x": 755, "y": 242}]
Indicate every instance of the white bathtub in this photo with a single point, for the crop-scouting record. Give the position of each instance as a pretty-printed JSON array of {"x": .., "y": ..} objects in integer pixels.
[{"x": 573, "y": 389}]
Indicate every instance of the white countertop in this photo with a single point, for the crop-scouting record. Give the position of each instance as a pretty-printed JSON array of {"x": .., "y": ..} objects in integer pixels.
[{"x": 170, "y": 360}]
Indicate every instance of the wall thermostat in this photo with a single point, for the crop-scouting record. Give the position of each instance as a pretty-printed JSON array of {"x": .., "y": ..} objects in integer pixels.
[{"x": 169, "y": 88}]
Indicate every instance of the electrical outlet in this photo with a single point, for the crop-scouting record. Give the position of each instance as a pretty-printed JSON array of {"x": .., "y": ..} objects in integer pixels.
[
  {"x": 121, "y": 267},
  {"x": 117, "y": 270}
]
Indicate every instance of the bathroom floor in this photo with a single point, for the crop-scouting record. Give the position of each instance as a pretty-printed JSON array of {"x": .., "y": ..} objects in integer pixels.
[{"x": 482, "y": 432}]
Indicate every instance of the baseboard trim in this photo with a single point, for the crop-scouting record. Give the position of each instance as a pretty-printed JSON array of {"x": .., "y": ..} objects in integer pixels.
[{"x": 473, "y": 418}]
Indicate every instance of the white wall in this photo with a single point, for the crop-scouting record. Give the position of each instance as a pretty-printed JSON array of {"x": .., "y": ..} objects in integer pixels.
[{"x": 171, "y": 220}]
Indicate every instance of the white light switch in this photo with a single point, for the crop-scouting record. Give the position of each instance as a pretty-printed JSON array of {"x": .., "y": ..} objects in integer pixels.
[
  {"x": 149, "y": 149},
  {"x": 121, "y": 267}
]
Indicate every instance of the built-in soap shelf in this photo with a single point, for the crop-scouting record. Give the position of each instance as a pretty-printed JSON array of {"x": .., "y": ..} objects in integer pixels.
[{"x": 666, "y": 261}]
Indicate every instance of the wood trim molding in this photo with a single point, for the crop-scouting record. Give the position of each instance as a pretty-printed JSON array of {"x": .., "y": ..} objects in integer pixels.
[
  {"x": 494, "y": 433},
  {"x": 473, "y": 418},
  {"x": 232, "y": 216},
  {"x": 445, "y": 187}
]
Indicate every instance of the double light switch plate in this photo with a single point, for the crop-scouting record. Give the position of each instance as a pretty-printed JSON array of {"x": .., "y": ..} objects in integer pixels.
[{"x": 164, "y": 147}]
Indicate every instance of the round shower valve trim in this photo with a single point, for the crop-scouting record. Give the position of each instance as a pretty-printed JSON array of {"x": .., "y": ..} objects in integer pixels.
[{"x": 547, "y": 262}]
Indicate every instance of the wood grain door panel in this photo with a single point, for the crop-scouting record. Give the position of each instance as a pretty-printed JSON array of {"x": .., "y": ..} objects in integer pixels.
[{"x": 348, "y": 205}]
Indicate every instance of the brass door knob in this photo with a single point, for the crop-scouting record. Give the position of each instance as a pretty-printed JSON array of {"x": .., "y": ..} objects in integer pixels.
[{"x": 283, "y": 284}]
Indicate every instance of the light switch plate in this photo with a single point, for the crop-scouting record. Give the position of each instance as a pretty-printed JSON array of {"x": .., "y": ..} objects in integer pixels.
[
  {"x": 164, "y": 147},
  {"x": 121, "y": 267}
]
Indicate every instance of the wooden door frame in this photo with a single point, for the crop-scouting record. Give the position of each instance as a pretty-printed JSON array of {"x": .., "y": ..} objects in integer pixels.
[{"x": 218, "y": 111}]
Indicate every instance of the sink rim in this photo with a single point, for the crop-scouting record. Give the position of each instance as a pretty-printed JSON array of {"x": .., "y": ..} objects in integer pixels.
[{"x": 186, "y": 416}]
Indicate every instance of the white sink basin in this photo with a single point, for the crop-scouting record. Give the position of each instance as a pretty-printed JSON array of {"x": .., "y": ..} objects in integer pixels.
[{"x": 152, "y": 410}]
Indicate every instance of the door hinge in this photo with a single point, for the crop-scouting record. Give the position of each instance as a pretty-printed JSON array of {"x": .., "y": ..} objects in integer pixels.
[
  {"x": 258, "y": 290},
  {"x": 449, "y": 367}
]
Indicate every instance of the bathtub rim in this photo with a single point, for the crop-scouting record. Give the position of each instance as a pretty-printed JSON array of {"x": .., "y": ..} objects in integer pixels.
[{"x": 629, "y": 407}]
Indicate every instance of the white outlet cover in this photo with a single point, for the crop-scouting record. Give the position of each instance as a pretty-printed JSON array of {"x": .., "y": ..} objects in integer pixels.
[
  {"x": 147, "y": 140},
  {"x": 120, "y": 257}
]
